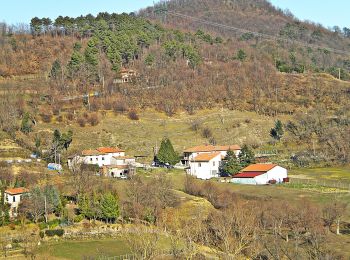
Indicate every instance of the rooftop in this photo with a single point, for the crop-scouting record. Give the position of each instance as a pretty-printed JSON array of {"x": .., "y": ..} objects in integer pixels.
[
  {"x": 259, "y": 167},
  {"x": 248, "y": 174},
  {"x": 205, "y": 157},
  {"x": 212, "y": 148},
  {"x": 16, "y": 191},
  {"x": 101, "y": 151}
]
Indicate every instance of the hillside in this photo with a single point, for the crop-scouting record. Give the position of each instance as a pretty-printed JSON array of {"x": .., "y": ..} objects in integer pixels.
[{"x": 180, "y": 66}]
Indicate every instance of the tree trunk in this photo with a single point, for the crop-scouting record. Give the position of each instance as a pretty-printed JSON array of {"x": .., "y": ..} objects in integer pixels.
[{"x": 338, "y": 227}]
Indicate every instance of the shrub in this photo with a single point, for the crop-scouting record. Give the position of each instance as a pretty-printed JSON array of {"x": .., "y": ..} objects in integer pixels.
[
  {"x": 93, "y": 119},
  {"x": 41, "y": 234},
  {"x": 82, "y": 121},
  {"x": 120, "y": 107},
  {"x": 207, "y": 133},
  {"x": 247, "y": 121},
  {"x": 46, "y": 118},
  {"x": 70, "y": 116},
  {"x": 78, "y": 218},
  {"x": 12, "y": 226},
  {"x": 195, "y": 125},
  {"x": 54, "y": 232},
  {"x": 60, "y": 119},
  {"x": 56, "y": 110},
  {"x": 133, "y": 115}
]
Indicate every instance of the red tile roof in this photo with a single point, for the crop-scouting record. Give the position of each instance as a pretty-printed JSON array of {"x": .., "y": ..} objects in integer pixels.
[
  {"x": 205, "y": 157},
  {"x": 101, "y": 151},
  {"x": 109, "y": 150},
  {"x": 260, "y": 167},
  {"x": 212, "y": 148},
  {"x": 248, "y": 174},
  {"x": 15, "y": 191}
]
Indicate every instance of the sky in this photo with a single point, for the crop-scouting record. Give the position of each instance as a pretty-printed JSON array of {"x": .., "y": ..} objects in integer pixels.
[{"x": 326, "y": 12}]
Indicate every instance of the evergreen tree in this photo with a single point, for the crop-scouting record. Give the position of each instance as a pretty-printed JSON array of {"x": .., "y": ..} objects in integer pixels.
[
  {"x": 149, "y": 59},
  {"x": 75, "y": 63},
  {"x": 84, "y": 206},
  {"x": 35, "y": 26},
  {"x": 109, "y": 207},
  {"x": 91, "y": 53},
  {"x": 166, "y": 153},
  {"x": 231, "y": 163},
  {"x": 241, "y": 55},
  {"x": 26, "y": 126},
  {"x": 246, "y": 157},
  {"x": 56, "y": 70},
  {"x": 277, "y": 132}
]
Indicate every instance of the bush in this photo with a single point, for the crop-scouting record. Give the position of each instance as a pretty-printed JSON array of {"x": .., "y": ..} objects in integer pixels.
[
  {"x": 70, "y": 116},
  {"x": 60, "y": 119},
  {"x": 120, "y": 107},
  {"x": 93, "y": 119},
  {"x": 54, "y": 232},
  {"x": 46, "y": 118},
  {"x": 207, "y": 133},
  {"x": 41, "y": 234},
  {"x": 247, "y": 121},
  {"x": 133, "y": 115},
  {"x": 82, "y": 121},
  {"x": 195, "y": 125},
  {"x": 78, "y": 218}
]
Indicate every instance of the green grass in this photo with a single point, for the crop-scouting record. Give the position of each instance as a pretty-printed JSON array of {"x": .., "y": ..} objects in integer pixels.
[
  {"x": 334, "y": 173},
  {"x": 81, "y": 249}
]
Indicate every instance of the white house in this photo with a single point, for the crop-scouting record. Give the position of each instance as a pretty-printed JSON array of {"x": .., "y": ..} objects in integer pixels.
[
  {"x": 13, "y": 198},
  {"x": 125, "y": 76},
  {"x": 192, "y": 152},
  {"x": 101, "y": 156},
  {"x": 205, "y": 166},
  {"x": 121, "y": 166},
  {"x": 260, "y": 174}
]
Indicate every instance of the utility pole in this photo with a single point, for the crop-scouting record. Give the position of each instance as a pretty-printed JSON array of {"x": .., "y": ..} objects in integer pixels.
[
  {"x": 45, "y": 205},
  {"x": 339, "y": 73}
]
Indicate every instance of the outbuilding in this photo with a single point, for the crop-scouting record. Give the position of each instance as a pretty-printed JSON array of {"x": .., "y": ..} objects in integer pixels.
[{"x": 261, "y": 174}]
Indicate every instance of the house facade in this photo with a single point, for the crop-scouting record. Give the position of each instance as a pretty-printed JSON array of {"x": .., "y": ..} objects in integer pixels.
[
  {"x": 101, "y": 156},
  {"x": 125, "y": 76},
  {"x": 13, "y": 198},
  {"x": 192, "y": 152},
  {"x": 261, "y": 174},
  {"x": 205, "y": 166}
]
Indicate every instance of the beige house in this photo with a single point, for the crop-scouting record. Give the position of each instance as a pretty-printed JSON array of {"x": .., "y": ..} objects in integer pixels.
[
  {"x": 13, "y": 198},
  {"x": 125, "y": 76}
]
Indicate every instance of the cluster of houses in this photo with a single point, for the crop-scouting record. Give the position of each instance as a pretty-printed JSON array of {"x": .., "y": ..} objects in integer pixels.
[
  {"x": 111, "y": 161},
  {"x": 204, "y": 162}
]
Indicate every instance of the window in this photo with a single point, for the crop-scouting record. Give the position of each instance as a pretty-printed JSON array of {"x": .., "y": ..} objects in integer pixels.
[
  {"x": 214, "y": 163},
  {"x": 90, "y": 159},
  {"x": 199, "y": 165},
  {"x": 14, "y": 198},
  {"x": 103, "y": 158}
]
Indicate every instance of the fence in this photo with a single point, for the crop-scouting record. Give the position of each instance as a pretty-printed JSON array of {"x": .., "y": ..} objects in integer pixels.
[{"x": 323, "y": 183}]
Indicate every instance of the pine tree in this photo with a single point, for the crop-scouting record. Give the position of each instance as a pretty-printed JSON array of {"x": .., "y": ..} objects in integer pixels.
[
  {"x": 277, "y": 132},
  {"x": 91, "y": 53},
  {"x": 26, "y": 127},
  {"x": 166, "y": 153},
  {"x": 109, "y": 207},
  {"x": 231, "y": 163},
  {"x": 246, "y": 157},
  {"x": 75, "y": 63},
  {"x": 56, "y": 70}
]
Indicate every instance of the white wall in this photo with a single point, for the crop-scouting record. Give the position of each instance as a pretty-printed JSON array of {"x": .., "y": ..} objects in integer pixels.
[
  {"x": 205, "y": 170},
  {"x": 14, "y": 201},
  {"x": 277, "y": 173}
]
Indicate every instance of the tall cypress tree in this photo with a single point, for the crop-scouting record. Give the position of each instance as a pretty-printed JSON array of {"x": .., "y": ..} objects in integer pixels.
[
  {"x": 231, "y": 163},
  {"x": 109, "y": 207},
  {"x": 246, "y": 157},
  {"x": 166, "y": 153}
]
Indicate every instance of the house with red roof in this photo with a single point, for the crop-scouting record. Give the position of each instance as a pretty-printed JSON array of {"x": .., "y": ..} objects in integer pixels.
[
  {"x": 112, "y": 161},
  {"x": 13, "y": 198},
  {"x": 261, "y": 174},
  {"x": 101, "y": 156},
  {"x": 192, "y": 152},
  {"x": 205, "y": 165}
]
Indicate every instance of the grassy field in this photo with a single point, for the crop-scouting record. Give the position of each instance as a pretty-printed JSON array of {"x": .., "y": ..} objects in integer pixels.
[
  {"x": 140, "y": 137},
  {"x": 84, "y": 249},
  {"x": 334, "y": 173}
]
